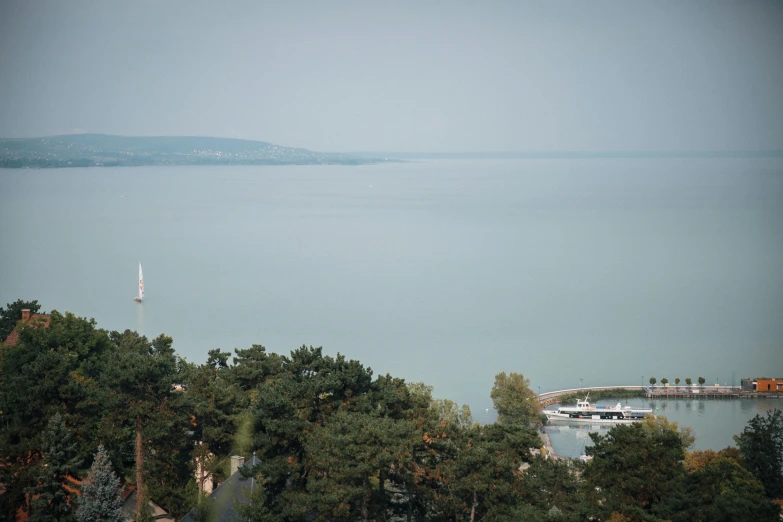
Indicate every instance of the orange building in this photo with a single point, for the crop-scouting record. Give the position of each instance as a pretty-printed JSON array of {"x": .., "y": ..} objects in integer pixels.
[{"x": 766, "y": 384}]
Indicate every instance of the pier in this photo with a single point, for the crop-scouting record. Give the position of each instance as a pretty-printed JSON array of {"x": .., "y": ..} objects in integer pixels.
[
  {"x": 547, "y": 398},
  {"x": 666, "y": 392}
]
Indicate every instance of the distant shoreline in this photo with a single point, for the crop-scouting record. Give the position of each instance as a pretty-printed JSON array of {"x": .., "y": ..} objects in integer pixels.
[{"x": 102, "y": 150}]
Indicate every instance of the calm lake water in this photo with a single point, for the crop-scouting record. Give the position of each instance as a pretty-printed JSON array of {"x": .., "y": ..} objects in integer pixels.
[
  {"x": 714, "y": 421},
  {"x": 446, "y": 272}
]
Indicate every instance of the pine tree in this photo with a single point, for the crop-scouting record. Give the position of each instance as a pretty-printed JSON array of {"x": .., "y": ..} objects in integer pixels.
[
  {"x": 761, "y": 447},
  {"x": 60, "y": 459},
  {"x": 101, "y": 498}
]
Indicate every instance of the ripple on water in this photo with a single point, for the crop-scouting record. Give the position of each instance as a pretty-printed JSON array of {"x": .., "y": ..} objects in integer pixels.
[{"x": 714, "y": 421}]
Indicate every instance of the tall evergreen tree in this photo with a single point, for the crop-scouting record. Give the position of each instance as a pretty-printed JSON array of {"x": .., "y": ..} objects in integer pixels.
[
  {"x": 722, "y": 491},
  {"x": 138, "y": 383},
  {"x": 635, "y": 466},
  {"x": 51, "y": 500},
  {"x": 101, "y": 500},
  {"x": 48, "y": 371}
]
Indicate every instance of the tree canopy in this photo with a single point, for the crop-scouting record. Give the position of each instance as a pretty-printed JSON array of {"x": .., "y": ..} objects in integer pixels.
[
  {"x": 334, "y": 440},
  {"x": 513, "y": 398},
  {"x": 12, "y": 313},
  {"x": 761, "y": 447}
]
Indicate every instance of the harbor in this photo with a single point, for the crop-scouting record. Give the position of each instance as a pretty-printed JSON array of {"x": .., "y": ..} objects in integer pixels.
[
  {"x": 744, "y": 391},
  {"x": 714, "y": 418}
]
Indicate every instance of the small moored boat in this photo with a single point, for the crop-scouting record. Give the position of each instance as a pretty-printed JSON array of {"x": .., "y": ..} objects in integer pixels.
[{"x": 586, "y": 412}]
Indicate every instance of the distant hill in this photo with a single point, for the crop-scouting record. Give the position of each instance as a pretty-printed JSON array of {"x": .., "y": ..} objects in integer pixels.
[{"x": 102, "y": 150}]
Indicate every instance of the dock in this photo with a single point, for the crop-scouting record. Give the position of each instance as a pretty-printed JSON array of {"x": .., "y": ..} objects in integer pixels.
[{"x": 667, "y": 392}]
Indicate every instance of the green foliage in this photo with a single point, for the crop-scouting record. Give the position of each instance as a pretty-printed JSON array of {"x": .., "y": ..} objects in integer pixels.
[
  {"x": 701, "y": 381},
  {"x": 308, "y": 389},
  {"x": 101, "y": 500},
  {"x": 253, "y": 366},
  {"x": 761, "y": 447},
  {"x": 12, "y": 314},
  {"x": 51, "y": 501},
  {"x": 664, "y": 381},
  {"x": 595, "y": 395},
  {"x": 550, "y": 484},
  {"x": 480, "y": 470},
  {"x": 513, "y": 399},
  {"x": 334, "y": 442},
  {"x": 450, "y": 412},
  {"x": 349, "y": 458},
  {"x": 722, "y": 491},
  {"x": 653, "y": 381},
  {"x": 253, "y": 511},
  {"x": 660, "y": 424},
  {"x": 214, "y": 403},
  {"x": 688, "y": 381},
  {"x": 50, "y": 371},
  {"x": 635, "y": 465},
  {"x": 138, "y": 399}
]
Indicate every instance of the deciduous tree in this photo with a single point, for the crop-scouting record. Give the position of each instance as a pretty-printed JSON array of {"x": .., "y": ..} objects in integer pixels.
[{"x": 513, "y": 399}]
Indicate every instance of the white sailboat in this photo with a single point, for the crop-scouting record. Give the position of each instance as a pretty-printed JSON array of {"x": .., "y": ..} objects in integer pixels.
[{"x": 141, "y": 286}]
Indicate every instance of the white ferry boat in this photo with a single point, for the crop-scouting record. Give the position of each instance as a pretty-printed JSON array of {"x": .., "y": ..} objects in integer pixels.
[{"x": 586, "y": 412}]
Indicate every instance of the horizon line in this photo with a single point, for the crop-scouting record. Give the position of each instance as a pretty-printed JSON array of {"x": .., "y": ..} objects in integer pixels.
[{"x": 510, "y": 154}]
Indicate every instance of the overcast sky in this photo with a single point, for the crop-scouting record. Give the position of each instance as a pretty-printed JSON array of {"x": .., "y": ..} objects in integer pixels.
[{"x": 446, "y": 76}]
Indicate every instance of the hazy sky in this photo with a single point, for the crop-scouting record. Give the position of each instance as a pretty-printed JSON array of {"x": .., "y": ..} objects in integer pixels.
[{"x": 400, "y": 76}]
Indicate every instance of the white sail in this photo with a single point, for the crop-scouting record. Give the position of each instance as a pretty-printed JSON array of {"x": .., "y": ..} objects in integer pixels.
[{"x": 141, "y": 285}]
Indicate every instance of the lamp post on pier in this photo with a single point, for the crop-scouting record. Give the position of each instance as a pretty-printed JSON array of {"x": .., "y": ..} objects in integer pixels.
[{"x": 580, "y": 383}]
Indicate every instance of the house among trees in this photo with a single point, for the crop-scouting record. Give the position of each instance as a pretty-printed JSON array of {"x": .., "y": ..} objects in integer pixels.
[
  {"x": 29, "y": 319},
  {"x": 222, "y": 504},
  {"x": 129, "y": 507}
]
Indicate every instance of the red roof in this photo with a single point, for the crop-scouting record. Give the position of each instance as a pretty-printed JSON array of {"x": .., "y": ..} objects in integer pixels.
[{"x": 36, "y": 321}]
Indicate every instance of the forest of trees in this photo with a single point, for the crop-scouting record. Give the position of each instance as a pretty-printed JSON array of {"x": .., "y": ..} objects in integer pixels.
[{"x": 335, "y": 441}]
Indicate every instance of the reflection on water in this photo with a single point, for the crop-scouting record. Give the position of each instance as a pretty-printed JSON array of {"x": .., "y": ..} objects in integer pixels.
[
  {"x": 140, "y": 323},
  {"x": 714, "y": 421}
]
